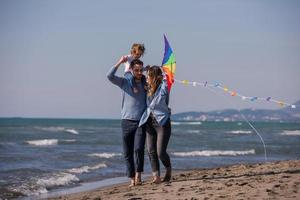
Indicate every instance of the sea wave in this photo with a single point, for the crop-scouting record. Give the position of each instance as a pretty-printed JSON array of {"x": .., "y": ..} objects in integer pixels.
[
  {"x": 214, "y": 153},
  {"x": 45, "y": 142},
  {"x": 69, "y": 140},
  {"x": 59, "y": 179},
  {"x": 240, "y": 132},
  {"x": 50, "y": 128},
  {"x": 48, "y": 142},
  {"x": 7, "y": 143},
  {"x": 85, "y": 169},
  {"x": 40, "y": 185},
  {"x": 105, "y": 155},
  {"x": 73, "y": 131},
  {"x": 193, "y": 131},
  {"x": 57, "y": 129},
  {"x": 28, "y": 189},
  {"x": 186, "y": 123},
  {"x": 291, "y": 133}
]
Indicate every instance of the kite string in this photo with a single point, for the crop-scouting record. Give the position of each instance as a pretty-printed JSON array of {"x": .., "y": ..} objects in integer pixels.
[
  {"x": 245, "y": 119},
  {"x": 243, "y": 116}
]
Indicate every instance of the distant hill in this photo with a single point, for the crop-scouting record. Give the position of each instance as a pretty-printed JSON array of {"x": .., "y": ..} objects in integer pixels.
[{"x": 285, "y": 115}]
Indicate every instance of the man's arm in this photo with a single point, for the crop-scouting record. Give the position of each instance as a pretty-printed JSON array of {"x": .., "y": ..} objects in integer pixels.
[{"x": 111, "y": 73}]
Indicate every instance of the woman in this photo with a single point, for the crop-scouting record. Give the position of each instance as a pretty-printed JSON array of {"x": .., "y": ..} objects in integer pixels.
[{"x": 157, "y": 120}]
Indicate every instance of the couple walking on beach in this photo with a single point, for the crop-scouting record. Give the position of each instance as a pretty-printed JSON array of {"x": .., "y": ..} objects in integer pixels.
[{"x": 145, "y": 115}]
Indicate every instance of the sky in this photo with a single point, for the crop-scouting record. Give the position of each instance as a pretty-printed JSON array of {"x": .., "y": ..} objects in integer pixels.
[{"x": 55, "y": 54}]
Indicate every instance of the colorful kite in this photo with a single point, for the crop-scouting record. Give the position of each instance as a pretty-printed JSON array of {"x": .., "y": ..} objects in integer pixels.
[
  {"x": 169, "y": 67},
  {"x": 169, "y": 64}
]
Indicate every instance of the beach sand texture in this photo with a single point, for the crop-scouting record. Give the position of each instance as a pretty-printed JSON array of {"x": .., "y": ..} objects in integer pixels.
[{"x": 277, "y": 180}]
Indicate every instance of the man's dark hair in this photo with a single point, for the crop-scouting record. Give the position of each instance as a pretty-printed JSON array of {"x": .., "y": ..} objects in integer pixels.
[{"x": 136, "y": 62}]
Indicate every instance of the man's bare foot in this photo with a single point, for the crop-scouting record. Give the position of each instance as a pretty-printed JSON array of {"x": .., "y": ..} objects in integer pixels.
[{"x": 138, "y": 178}]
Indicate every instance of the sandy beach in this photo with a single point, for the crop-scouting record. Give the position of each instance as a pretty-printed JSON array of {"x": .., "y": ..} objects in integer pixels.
[{"x": 276, "y": 180}]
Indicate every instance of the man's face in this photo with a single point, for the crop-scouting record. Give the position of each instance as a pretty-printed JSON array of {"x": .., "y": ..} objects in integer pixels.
[{"x": 137, "y": 71}]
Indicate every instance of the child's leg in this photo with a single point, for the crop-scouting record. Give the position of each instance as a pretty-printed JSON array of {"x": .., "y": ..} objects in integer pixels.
[{"x": 128, "y": 75}]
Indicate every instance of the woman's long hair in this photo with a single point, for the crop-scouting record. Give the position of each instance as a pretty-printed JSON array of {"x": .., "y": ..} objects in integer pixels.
[{"x": 154, "y": 80}]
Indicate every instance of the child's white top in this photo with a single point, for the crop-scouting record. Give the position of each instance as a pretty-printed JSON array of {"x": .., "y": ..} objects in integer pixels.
[{"x": 127, "y": 63}]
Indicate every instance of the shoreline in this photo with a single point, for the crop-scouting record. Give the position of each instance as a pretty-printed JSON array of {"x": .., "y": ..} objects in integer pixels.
[
  {"x": 84, "y": 187},
  {"x": 272, "y": 180}
]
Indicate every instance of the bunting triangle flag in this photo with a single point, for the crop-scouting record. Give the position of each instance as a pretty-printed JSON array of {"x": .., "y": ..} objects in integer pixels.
[{"x": 169, "y": 64}]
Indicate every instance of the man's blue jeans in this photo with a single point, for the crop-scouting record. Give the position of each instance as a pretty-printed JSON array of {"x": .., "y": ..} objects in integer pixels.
[{"x": 133, "y": 146}]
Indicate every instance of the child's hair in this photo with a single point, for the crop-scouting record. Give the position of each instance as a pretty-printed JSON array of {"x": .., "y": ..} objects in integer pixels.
[
  {"x": 135, "y": 62},
  {"x": 137, "y": 48},
  {"x": 156, "y": 77}
]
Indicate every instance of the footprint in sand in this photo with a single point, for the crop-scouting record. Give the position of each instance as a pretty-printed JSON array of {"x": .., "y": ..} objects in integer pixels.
[{"x": 129, "y": 194}]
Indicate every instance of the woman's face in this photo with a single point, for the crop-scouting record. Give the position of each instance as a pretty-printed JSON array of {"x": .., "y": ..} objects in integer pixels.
[{"x": 149, "y": 79}]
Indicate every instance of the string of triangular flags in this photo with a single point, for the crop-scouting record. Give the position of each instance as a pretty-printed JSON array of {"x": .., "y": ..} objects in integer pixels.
[{"x": 234, "y": 93}]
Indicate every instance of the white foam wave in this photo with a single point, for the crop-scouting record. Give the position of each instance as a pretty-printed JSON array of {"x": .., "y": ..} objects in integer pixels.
[
  {"x": 57, "y": 180},
  {"x": 105, "y": 155},
  {"x": 240, "y": 132},
  {"x": 45, "y": 142},
  {"x": 36, "y": 186},
  {"x": 214, "y": 153},
  {"x": 73, "y": 131},
  {"x": 186, "y": 123},
  {"x": 86, "y": 169},
  {"x": 70, "y": 140},
  {"x": 291, "y": 133},
  {"x": 29, "y": 190}
]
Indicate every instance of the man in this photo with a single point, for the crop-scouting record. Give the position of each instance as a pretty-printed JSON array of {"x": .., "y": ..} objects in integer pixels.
[{"x": 133, "y": 106}]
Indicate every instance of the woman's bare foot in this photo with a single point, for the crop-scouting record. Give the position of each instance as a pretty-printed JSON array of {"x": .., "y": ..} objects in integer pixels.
[
  {"x": 132, "y": 183},
  {"x": 168, "y": 175},
  {"x": 156, "y": 180}
]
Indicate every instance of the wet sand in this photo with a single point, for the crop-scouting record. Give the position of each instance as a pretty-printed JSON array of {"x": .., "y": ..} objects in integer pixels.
[{"x": 277, "y": 180}]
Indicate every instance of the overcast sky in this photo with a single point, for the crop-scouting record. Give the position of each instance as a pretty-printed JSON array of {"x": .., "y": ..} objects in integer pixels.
[{"x": 54, "y": 55}]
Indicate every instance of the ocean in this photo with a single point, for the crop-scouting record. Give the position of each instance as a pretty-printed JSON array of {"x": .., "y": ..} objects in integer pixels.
[{"x": 38, "y": 156}]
